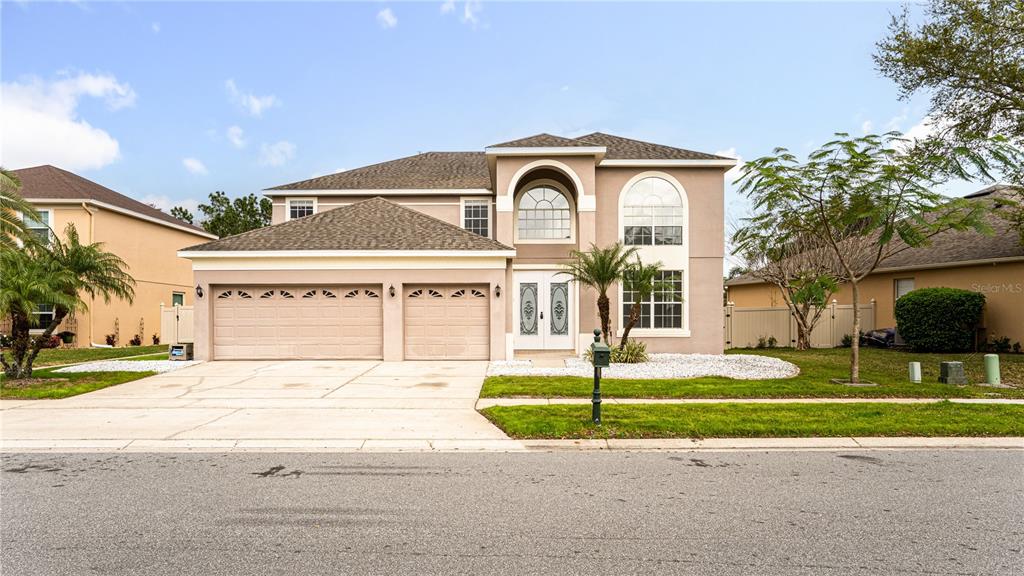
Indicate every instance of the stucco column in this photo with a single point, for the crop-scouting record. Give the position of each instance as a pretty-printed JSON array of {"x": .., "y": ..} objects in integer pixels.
[
  {"x": 394, "y": 325},
  {"x": 588, "y": 317}
]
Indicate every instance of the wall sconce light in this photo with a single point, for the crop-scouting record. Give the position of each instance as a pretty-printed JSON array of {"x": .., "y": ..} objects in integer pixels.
[
  {"x": 391, "y": 290},
  {"x": 497, "y": 291},
  {"x": 199, "y": 291}
]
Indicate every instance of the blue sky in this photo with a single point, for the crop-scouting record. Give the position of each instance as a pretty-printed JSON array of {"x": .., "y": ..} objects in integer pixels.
[{"x": 169, "y": 101}]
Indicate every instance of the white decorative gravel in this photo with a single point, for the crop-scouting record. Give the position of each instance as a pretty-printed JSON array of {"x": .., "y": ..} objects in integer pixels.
[
  {"x": 739, "y": 366},
  {"x": 130, "y": 366}
]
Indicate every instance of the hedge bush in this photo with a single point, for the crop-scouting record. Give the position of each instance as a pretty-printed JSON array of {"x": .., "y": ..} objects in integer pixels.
[{"x": 939, "y": 319}]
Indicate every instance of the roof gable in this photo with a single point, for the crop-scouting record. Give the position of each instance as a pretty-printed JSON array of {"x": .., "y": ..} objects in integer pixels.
[
  {"x": 373, "y": 224},
  {"x": 543, "y": 140},
  {"x": 51, "y": 183}
]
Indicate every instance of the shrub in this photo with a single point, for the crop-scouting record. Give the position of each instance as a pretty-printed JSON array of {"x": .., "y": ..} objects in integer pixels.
[
  {"x": 136, "y": 340},
  {"x": 1000, "y": 345},
  {"x": 1016, "y": 347},
  {"x": 847, "y": 341},
  {"x": 53, "y": 341},
  {"x": 634, "y": 353},
  {"x": 772, "y": 342},
  {"x": 939, "y": 319},
  {"x": 762, "y": 342},
  {"x": 111, "y": 339},
  {"x": 156, "y": 339}
]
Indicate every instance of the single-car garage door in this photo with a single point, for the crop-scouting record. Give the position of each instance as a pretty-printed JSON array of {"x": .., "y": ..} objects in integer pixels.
[
  {"x": 447, "y": 323},
  {"x": 297, "y": 322}
]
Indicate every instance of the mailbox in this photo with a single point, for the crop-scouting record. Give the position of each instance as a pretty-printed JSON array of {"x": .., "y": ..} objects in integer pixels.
[{"x": 600, "y": 352}]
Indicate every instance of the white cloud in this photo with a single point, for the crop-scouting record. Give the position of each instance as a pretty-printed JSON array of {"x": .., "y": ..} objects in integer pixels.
[
  {"x": 252, "y": 104},
  {"x": 237, "y": 136},
  {"x": 735, "y": 171},
  {"x": 161, "y": 202},
  {"x": 194, "y": 165},
  {"x": 276, "y": 154},
  {"x": 41, "y": 124},
  {"x": 387, "y": 19},
  {"x": 866, "y": 127},
  {"x": 471, "y": 10},
  {"x": 156, "y": 27}
]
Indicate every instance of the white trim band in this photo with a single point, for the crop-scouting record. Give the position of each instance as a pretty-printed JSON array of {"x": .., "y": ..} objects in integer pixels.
[
  {"x": 199, "y": 254},
  {"x": 383, "y": 192},
  {"x": 724, "y": 163}
]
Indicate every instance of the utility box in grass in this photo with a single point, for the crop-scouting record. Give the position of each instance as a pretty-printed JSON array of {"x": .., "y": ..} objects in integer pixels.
[
  {"x": 952, "y": 373},
  {"x": 180, "y": 352}
]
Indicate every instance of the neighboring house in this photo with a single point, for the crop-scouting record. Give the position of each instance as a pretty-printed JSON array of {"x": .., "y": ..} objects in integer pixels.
[
  {"x": 992, "y": 264},
  {"x": 457, "y": 255},
  {"x": 144, "y": 237}
]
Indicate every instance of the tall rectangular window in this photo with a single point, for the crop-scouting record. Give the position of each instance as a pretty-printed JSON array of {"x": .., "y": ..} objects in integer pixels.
[
  {"x": 476, "y": 216},
  {"x": 663, "y": 308},
  {"x": 901, "y": 286},
  {"x": 40, "y": 227},
  {"x": 43, "y": 315},
  {"x": 300, "y": 209}
]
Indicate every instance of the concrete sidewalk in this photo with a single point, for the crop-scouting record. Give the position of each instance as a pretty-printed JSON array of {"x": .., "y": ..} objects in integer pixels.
[{"x": 488, "y": 402}]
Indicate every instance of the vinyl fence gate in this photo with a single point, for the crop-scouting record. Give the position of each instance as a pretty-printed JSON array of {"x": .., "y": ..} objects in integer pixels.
[{"x": 744, "y": 327}]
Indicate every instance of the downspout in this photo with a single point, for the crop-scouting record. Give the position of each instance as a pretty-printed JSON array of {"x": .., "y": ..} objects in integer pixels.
[{"x": 92, "y": 299}]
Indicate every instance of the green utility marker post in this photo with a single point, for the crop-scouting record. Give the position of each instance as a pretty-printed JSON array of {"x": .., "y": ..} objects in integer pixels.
[
  {"x": 601, "y": 356},
  {"x": 992, "y": 369}
]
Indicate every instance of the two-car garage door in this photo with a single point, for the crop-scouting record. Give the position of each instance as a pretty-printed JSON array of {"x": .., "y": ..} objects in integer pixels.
[
  {"x": 328, "y": 322},
  {"x": 294, "y": 322}
]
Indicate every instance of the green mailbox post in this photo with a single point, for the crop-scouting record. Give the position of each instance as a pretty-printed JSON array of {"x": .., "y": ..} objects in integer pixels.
[{"x": 601, "y": 356}]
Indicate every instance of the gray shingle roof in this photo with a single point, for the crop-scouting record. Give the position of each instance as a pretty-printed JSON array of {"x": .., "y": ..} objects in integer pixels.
[
  {"x": 52, "y": 183},
  {"x": 951, "y": 247},
  {"x": 620, "y": 148},
  {"x": 543, "y": 140},
  {"x": 373, "y": 224},
  {"x": 429, "y": 170}
]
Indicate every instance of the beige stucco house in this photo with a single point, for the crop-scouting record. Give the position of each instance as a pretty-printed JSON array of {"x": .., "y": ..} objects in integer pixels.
[
  {"x": 992, "y": 264},
  {"x": 457, "y": 255},
  {"x": 144, "y": 237}
]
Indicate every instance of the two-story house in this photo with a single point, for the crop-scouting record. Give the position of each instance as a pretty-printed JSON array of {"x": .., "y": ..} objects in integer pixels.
[
  {"x": 144, "y": 237},
  {"x": 457, "y": 255}
]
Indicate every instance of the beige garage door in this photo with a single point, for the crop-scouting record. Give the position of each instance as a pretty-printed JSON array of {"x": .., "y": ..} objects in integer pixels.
[
  {"x": 297, "y": 322},
  {"x": 447, "y": 323}
]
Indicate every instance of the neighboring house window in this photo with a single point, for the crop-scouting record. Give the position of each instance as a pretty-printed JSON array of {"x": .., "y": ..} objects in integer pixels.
[
  {"x": 44, "y": 315},
  {"x": 664, "y": 308},
  {"x": 901, "y": 286},
  {"x": 41, "y": 227},
  {"x": 652, "y": 214},
  {"x": 178, "y": 299},
  {"x": 544, "y": 214},
  {"x": 300, "y": 208},
  {"x": 476, "y": 216}
]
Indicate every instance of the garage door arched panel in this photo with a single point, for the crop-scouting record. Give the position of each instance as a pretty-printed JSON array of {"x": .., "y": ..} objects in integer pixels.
[
  {"x": 297, "y": 322},
  {"x": 447, "y": 323}
]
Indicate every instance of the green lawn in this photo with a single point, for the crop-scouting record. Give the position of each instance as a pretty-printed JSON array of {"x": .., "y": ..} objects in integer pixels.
[
  {"x": 887, "y": 368},
  {"x": 49, "y": 384},
  {"x": 759, "y": 420},
  {"x": 59, "y": 356}
]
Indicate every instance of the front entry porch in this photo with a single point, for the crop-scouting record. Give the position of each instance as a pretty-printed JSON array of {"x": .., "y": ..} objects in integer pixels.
[{"x": 545, "y": 313}]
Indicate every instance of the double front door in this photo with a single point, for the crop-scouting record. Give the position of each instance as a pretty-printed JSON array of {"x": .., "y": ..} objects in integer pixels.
[{"x": 543, "y": 311}]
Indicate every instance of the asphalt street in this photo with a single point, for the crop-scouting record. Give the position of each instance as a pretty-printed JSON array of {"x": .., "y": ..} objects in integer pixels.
[{"x": 785, "y": 513}]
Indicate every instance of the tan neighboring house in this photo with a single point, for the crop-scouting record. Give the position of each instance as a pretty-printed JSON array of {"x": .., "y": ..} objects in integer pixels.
[
  {"x": 990, "y": 264},
  {"x": 456, "y": 255},
  {"x": 144, "y": 237}
]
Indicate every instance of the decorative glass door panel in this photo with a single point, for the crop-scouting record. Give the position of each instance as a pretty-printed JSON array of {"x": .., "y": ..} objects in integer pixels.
[{"x": 543, "y": 311}]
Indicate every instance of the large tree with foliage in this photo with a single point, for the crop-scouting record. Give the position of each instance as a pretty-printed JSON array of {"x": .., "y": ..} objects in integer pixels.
[
  {"x": 13, "y": 210},
  {"x": 865, "y": 198},
  {"x": 58, "y": 274},
  {"x": 600, "y": 269},
  {"x": 226, "y": 217},
  {"x": 969, "y": 57}
]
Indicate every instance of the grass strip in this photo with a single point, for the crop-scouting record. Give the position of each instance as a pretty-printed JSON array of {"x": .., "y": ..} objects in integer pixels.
[
  {"x": 759, "y": 420},
  {"x": 46, "y": 384}
]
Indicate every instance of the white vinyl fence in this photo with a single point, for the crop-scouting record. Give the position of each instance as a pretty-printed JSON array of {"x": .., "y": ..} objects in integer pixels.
[
  {"x": 745, "y": 326},
  {"x": 175, "y": 325}
]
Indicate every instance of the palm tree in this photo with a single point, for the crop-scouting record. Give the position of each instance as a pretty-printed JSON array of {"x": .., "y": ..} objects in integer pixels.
[
  {"x": 13, "y": 210},
  {"x": 642, "y": 280},
  {"x": 70, "y": 269},
  {"x": 25, "y": 284},
  {"x": 600, "y": 268}
]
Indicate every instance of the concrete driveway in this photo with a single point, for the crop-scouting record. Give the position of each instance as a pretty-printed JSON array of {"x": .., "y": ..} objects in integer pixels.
[{"x": 347, "y": 405}]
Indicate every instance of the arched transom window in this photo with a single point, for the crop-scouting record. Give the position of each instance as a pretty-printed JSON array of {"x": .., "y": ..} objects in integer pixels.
[
  {"x": 652, "y": 214},
  {"x": 544, "y": 214}
]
